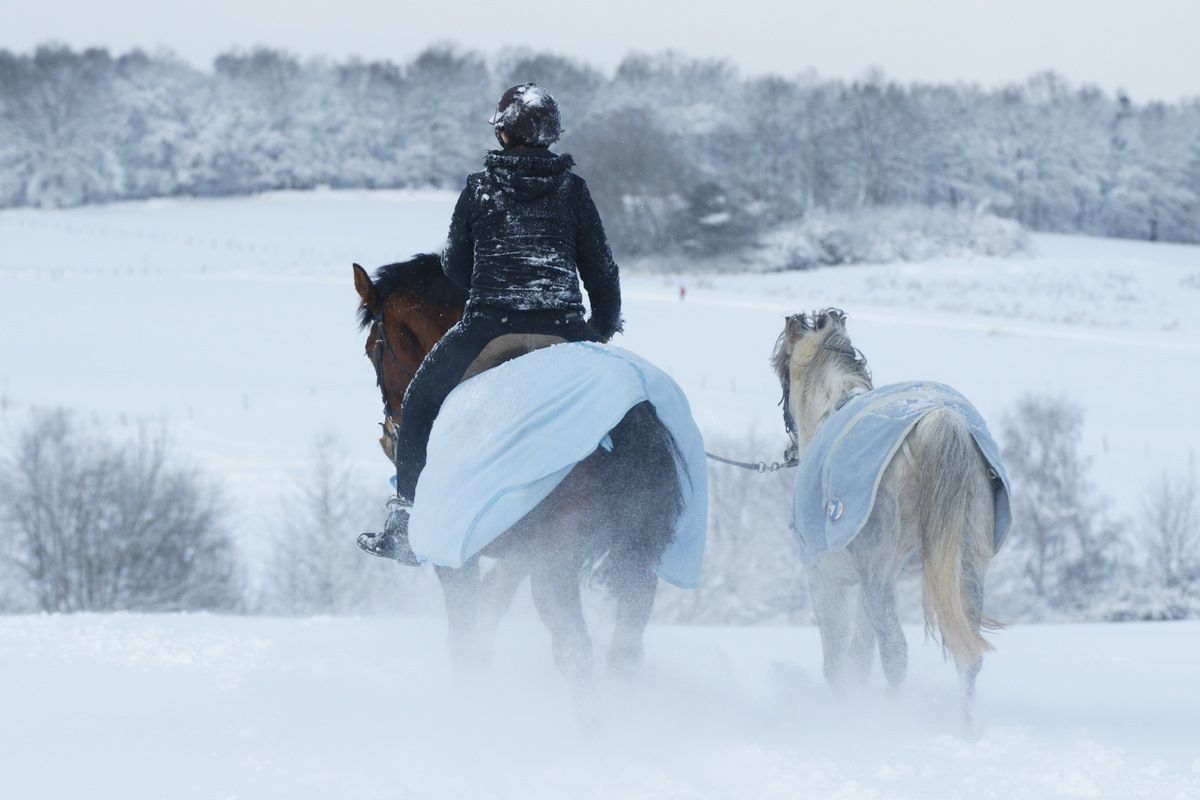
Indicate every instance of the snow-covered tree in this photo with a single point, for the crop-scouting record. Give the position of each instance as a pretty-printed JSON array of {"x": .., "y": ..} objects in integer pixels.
[
  {"x": 636, "y": 176},
  {"x": 447, "y": 99},
  {"x": 682, "y": 154},
  {"x": 59, "y": 117},
  {"x": 576, "y": 86},
  {"x": 1170, "y": 527},
  {"x": 1060, "y": 535}
]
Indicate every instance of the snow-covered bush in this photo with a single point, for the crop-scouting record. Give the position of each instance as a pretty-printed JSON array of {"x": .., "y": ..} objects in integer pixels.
[
  {"x": 96, "y": 524},
  {"x": 315, "y": 566},
  {"x": 1170, "y": 528},
  {"x": 1150, "y": 601},
  {"x": 1163, "y": 583},
  {"x": 881, "y": 235}
]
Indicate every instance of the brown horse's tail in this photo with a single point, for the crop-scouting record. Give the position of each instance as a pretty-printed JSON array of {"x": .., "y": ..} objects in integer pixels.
[
  {"x": 640, "y": 500},
  {"x": 956, "y": 518}
]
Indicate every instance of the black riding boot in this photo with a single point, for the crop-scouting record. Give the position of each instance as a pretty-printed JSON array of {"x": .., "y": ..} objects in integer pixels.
[{"x": 393, "y": 542}]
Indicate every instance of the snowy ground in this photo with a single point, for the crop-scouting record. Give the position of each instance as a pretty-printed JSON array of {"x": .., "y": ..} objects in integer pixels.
[
  {"x": 198, "y": 706},
  {"x": 234, "y": 321}
]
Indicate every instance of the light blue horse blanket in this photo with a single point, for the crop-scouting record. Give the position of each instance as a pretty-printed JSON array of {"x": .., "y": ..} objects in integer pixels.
[
  {"x": 840, "y": 470},
  {"x": 506, "y": 438}
]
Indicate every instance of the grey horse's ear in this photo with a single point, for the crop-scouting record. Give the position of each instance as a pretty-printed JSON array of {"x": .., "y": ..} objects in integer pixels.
[
  {"x": 796, "y": 325},
  {"x": 831, "y": 315}
]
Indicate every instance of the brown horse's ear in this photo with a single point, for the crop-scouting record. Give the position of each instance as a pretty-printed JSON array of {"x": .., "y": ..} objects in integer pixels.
[{"x": 366, "y": 289}]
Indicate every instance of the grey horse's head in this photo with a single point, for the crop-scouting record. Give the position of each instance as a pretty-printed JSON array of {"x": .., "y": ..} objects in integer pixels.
[{"x": 818, "y": 368}]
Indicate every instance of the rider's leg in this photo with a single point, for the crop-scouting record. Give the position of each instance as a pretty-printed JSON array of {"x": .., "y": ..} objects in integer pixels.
[{"x": 437, "y": 376}]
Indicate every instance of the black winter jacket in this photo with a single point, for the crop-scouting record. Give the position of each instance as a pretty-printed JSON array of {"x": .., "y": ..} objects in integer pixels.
[{"x": 523, "y": 234}]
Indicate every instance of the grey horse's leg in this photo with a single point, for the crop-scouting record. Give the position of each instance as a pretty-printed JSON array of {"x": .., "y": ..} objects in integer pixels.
[
  {"x": 862, "y": 645},
  {"x": 460, "y": 588},
  {"x": 879, "y": 553},
  {"x": 968, "y": 669},
  {"x": 879, "y": 599},
  {"x": 829, "y": 598},
  {"x": 634, "y": 604}
]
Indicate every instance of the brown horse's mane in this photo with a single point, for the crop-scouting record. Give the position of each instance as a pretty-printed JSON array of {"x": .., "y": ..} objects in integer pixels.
[{"x": 421, "y": 275}]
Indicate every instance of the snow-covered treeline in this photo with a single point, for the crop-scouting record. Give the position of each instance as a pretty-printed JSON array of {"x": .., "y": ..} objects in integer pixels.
[{"x": 680, "y": 154}]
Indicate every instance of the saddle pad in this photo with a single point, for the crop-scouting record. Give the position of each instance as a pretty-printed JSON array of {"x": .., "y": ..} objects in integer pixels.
[
  {"x": 506, "y": 438},
  {"x": 840, "y": 470}
]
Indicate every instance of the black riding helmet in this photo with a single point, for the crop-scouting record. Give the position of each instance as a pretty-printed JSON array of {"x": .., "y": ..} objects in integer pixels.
[{"x": 529, "y": 115}]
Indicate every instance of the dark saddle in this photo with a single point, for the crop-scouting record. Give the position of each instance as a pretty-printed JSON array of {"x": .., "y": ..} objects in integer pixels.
[{"x": 506, "y": 348}]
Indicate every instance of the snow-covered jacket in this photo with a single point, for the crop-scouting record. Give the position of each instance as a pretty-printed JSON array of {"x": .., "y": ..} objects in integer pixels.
[{"x": 523, "y": 234}]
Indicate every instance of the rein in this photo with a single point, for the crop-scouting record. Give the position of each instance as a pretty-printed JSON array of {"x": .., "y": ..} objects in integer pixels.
[{"x": 381, "y": 344}]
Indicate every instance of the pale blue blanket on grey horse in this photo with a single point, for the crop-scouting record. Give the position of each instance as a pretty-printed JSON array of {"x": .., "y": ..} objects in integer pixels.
[
  {"x": 840, "y": 470},
  {"x": 505, "y": 438}
]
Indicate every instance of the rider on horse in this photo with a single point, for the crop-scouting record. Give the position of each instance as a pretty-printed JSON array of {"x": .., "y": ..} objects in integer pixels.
[{"x": 523, "y": 234}]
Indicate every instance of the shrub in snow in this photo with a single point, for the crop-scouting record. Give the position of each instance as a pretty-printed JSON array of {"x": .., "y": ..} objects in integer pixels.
[
  {"x": 98, "y": 525},
  {"x": 1170, "y": 528},
  {"x": 882, "y": 235},
  {"x": 1150, "y": 602},
  {"x": 315, "y": 567}
]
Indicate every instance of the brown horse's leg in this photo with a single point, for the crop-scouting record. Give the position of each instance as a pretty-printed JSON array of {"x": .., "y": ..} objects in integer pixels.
[
  {"x": 555, "y": 584},
  {"x": 460, "y": 587},
  {"x": 499, "y": 587},
  {"x": 634, "y": 605}
]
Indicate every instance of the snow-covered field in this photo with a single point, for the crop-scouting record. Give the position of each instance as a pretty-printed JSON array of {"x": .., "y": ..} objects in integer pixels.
[
  {"x": 234, "y": 321},
  {"x": 182, "y": 706}
]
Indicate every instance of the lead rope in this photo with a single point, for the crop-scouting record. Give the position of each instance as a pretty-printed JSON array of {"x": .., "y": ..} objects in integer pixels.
[
  {"x": 789, "y": 455},
  {"x": 757, "y": 466}
]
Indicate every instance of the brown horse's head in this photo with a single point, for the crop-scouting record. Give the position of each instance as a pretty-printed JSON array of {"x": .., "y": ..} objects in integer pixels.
[{"x": 408, "y": 306}]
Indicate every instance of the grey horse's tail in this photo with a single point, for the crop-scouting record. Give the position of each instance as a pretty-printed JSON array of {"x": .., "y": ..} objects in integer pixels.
[
  {"x": 956, "y": 519},
  {"x": 640, "y": 501}
]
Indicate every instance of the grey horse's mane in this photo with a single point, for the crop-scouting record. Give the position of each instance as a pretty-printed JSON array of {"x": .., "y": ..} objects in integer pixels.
[{"x": 816, "y": 363}]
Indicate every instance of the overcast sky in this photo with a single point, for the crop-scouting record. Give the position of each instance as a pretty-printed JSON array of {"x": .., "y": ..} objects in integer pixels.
[{"x": 1149, "y": 48}]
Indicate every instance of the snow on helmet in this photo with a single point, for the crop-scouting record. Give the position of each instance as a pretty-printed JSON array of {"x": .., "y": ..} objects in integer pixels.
[{"x": 529, "y": 115}]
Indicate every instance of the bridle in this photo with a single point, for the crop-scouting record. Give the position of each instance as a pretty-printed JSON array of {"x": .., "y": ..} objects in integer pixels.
[{"x": 391, "y": 416}]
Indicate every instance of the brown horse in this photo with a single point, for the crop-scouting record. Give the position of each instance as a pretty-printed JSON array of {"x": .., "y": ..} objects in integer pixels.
[{"x": 611, "y": 517}]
